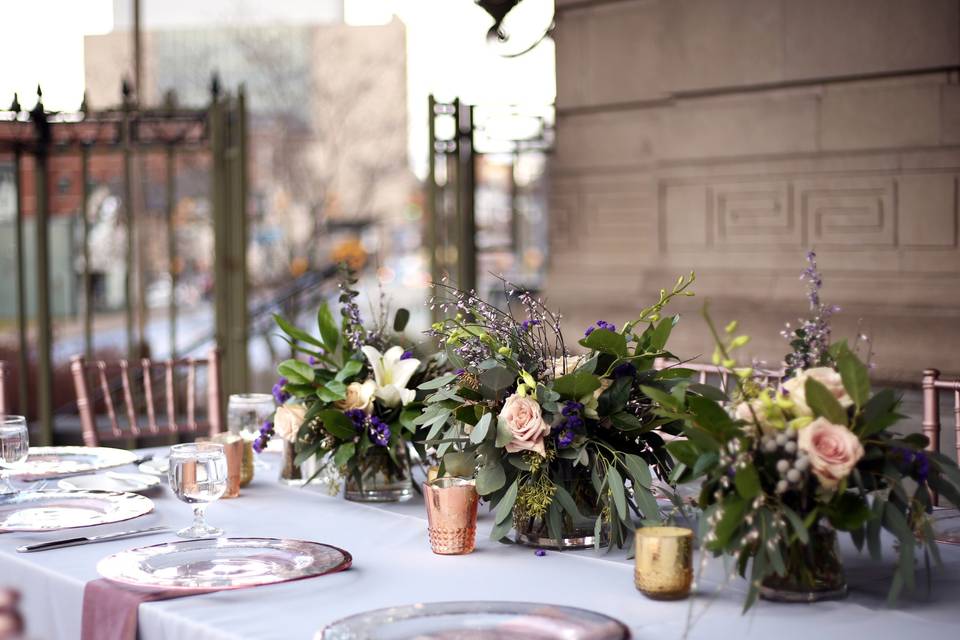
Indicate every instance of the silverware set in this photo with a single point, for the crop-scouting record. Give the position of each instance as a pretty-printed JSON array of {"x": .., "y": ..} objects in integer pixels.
[{"x": 81, "y": 540}]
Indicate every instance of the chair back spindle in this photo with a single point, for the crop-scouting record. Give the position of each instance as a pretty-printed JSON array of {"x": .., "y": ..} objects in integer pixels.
[{"x": 140, "y": 394}]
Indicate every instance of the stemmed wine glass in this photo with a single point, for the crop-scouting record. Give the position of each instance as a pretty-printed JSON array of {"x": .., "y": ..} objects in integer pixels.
[
  {"x": 246, "y": 413},
  {"x": 14, "y": 445},
  {"x": 198, "y": 476}
]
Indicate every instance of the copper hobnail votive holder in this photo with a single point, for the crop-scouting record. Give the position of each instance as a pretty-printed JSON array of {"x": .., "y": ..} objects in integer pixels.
[
  {"x": 233, "y": 449},
  {"x": 664, "y": 562},
  {"x": 451, "y": 515}
]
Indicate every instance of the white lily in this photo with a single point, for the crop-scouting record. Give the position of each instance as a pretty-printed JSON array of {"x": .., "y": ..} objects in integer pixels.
[{"x": 392, "y": 375}]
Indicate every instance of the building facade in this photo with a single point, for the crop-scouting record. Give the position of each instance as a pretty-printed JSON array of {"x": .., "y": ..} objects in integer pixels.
[{"x": 732, "y": 136}]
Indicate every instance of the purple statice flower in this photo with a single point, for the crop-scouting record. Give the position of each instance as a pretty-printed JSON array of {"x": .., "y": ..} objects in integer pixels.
[
  {"x": 266, "y": 432},
  {"x": 916, "y": 463},
  {"x": 459, "y": 372},
  {"x": 567, "y": 429},
  {"x": 279, "y": 394},
  {"x": 600, "y": 324},
  {"x": 406, "y": 355},
  {"x": 312, "y": 361},
  {"x": 571, "y": 408},
  {"x": 357, "y": 417},
  {"x": 379, "y": 431},
  {"x": 923, "y": 466},
  {"x": 526, "y": 325},
  {"x": 811, "y": 339},
  {"x": 539, "y": 553},
  {"x": 625, "y": 370}
]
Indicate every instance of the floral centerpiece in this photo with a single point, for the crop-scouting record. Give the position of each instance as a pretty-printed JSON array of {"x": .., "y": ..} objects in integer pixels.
[
  {"x": 561, "y": 445},
  {"x": 352, "y": 402},
  {"x": 786, "y": 466}
]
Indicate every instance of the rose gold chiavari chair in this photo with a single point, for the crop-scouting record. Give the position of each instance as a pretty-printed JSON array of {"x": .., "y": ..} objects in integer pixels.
[
  {"x": 177, "y": 415},
  {"x": 3, "y": 387},
  {"x": 947, "y": 525},
  {"x": 704, "y": 371}
]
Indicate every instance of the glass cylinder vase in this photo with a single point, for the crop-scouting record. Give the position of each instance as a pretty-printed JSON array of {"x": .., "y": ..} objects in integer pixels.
[
  {"x": 380, "y": 477},
  {"x": 575, "y": 533},
  {"x": 290, "y": 473},
  {"x": 814, "y": 571}
]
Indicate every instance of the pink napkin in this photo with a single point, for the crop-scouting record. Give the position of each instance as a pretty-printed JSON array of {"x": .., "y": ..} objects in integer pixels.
[{"x": 110, "y": 609}]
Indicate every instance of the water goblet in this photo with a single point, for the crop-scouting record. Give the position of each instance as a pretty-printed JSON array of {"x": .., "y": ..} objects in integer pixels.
[
  {"x": 14, "y": 446},
  {"x": 198, "y": 476}
]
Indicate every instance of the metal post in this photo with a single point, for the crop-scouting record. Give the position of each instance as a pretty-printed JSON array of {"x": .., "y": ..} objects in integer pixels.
[
  {"x": 43, "y": 320},
  {"x": 454, "y": 167},
  {"x": 138, "y": 96},
  {"x": 23, "y": 382},
  {"x": 430, "y": 198},
  {"x": 85, "y": 225},
  {"x": 130, "y": 223},
  {"x": 237, "y": 228},
  {"x": 218, "y": 200},
  {"x": 467, "y": 250},
  {"x": 515, "y": 243},
  {"x": 172, "y": 250}
]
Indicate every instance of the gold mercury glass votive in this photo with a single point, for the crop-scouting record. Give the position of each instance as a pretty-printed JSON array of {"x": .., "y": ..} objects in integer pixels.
[
  {"x": 451, "y": 515},
  {"x": 664, "y": 562}
]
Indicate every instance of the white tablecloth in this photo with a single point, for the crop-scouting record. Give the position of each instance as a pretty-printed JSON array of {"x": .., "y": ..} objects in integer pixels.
[{"x": 393, "y": 565}]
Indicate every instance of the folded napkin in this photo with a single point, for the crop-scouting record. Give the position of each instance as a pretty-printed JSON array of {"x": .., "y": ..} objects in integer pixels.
[{"x": 110, "y": 609}]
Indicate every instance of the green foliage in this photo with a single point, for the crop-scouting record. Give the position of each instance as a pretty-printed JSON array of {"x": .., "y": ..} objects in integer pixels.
[
  {"x": 576, "y": 385},
  {"x": 823, "y": 403}
]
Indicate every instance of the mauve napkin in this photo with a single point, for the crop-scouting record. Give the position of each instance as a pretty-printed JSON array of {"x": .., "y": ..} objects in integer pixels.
[{"x": 110, "y": 609}]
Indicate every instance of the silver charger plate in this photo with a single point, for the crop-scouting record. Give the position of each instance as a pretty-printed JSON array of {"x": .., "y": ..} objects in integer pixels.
[
  {"x": 54, "y": 510},
  {"x": 223, "y": 563},
  {"x": 477, "y": 621},
  {"x": 111, "y": 481},
  {"x": 51, "y": 462}
]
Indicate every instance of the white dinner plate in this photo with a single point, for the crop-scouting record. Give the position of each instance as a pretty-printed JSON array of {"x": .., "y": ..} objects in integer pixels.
[
  {"x": 112, "y": 481},
  {"x": 156, "y": 466},
  {"x": 52, "y": 462},
  {"x": 477, "y": 621},
  {"x": 53, "y": 510}
]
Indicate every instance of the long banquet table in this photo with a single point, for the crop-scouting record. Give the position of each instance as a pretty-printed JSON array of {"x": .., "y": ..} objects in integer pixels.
[{"x": 393, "y": 565}]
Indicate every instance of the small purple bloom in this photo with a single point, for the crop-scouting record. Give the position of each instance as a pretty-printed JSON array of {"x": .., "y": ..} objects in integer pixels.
[
  {"x": 600, "y": 324},
  {"x": 279, "y": 394},
  {"x": 357, "y": 417},
  {"x": 379, "y": 432},
  {"x": 625, "y": 370},
  {"x": 539, "y": 553},
  {"x": 459, "y": 372},
  {"x": 565, "y": 438},
  {"x": 526, "y": 325},
  {"x": 312, "y": 361},
  {"x": 407, "y": 355}
]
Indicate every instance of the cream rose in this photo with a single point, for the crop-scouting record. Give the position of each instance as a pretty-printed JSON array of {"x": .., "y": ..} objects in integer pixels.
[
  {"x": 743, "y": 412},
  {"x": 522, "y": 415},
  {"x": 288, "y": 419},
  {"x": 796, "y": 388},
  {"x": 833, "y": 450},
  {"x": 359, "y": 396}
]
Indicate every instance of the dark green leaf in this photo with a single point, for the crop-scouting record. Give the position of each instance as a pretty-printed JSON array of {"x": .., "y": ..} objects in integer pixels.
[
  {"x": 576, "y": 385},
  {"x": 660, "y": 335},
  {"x": 747, "y": 481},
  {"x": 459, "y": 464},
  {"x": 350, "y": 369},
  {"x": 332, "y": 391},
  {"x": 337, "y": 424},
  {"x": 848, "y": 512},
  {"x": 565, "y": 500},
  {"x": 606, "y": 341},
  {"x": 646, "y": 503},
  {"x": 497, "y": 378},
  {"x": 626, "y": 421},
  {"x": 500, "y": 531},
  {"x": 328, "y": 328},
  {"x": 823, "y": 403},
  {"x": 615, "y": 397},
  {"x": 343, "y": 454},
  {"x": 708, "y": 391},
  {"x": 295, "y": 333},
  {"x": 296, "y": 371},
  {"x": 799, "y": 529},
  {"x": 400, "y": 320},
  {"x": 856, "y": 378},
  {"x": 662, "y": 397}
]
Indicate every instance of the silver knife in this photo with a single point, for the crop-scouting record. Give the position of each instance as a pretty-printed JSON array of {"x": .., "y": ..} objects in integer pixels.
[{"x": 73, "y": 542}]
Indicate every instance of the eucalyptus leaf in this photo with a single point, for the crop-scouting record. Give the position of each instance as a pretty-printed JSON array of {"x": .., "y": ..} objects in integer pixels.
[
  {"x": 479, "y": 432},
  {"x": 565, "y": 500},
  {"x": 505, "y": 506},
  {"x": 490, "y": 478},
  {"x": 639, "y": 470},
  {"x": 615, "y": 482},
  {"x": 460, "y": 464},
  {"x": 504, "y": 434},
  {"x": 436, "y": 383}
]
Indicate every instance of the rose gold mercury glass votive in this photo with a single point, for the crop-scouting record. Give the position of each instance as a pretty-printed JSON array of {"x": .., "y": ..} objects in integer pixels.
[
  {"x": 452, "y": 515},
  {"x": 664, "y": 562}
]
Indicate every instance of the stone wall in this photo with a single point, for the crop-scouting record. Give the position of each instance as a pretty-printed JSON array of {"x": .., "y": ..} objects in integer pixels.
[{"x": 731, "y": 136}]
